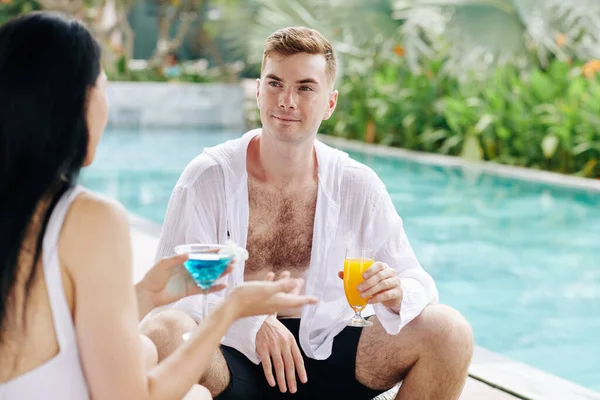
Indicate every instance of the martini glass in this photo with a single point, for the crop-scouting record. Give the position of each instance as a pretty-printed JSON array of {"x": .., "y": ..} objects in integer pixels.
[{"x": 206, "y": 263}]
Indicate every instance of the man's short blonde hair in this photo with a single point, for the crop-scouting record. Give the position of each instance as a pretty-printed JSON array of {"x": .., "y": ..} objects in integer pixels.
[{"x": 293, "y": 40}]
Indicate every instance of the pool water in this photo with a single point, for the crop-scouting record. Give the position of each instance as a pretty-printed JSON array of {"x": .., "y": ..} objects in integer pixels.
[{"x": 520, "y": 260}]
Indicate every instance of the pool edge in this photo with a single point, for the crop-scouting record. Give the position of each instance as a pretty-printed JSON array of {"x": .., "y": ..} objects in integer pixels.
[
  {"x": 524, "y": 381},
  {"x": 144, "y": 225},
  {"x": 510, "y": 171}
]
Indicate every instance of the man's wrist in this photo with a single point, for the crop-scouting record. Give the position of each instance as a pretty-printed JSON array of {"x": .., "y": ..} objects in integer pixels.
[
  {"x": 271, "y": 317},
  {"x": 396, "y": 308}
]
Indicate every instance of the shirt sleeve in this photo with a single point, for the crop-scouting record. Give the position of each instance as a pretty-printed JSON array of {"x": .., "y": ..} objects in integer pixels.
[
  {"x": 195, "y": 215},
  {"x": 385, "y": 228},
  {"x": 187, "y": 220}
]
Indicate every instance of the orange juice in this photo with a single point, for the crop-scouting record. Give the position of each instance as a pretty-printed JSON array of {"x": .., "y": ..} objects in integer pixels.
[{"x": 353, "y": 270}]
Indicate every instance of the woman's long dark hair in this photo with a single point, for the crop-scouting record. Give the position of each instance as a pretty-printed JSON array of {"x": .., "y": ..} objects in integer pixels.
[{"x": 47, "y": 65}]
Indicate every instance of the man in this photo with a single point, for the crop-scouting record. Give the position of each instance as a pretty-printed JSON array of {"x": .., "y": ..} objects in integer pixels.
[{"x": 297, "y": 204}]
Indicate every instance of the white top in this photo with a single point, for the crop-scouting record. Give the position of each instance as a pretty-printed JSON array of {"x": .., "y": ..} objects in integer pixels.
[
  {"x": 61, "y": 377},
  {"x": 353, "y": 208}
]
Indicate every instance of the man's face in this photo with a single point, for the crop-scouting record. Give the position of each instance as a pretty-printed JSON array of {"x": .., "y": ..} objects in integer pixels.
[{"x": 294, "y": 96}]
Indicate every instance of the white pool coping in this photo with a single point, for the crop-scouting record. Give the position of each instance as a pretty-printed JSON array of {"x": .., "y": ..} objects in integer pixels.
[
  {"x": 524, "y": 381},
  {"x": 144, "y": 241},
  {"x": 450, "y": 161}
]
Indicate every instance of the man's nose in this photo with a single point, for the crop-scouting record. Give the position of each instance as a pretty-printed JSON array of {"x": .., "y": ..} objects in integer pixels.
[{"x": 287, "y": 100}]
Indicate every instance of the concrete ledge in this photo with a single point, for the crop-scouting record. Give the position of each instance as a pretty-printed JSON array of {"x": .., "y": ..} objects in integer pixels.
[
  {"x": 175, "y": 105},
  {"x": 451, "y": 161},
  {"x": 524, "y": 381},
  {"x": 145, "y": 226},
  {"x": 144, "y": 241}
]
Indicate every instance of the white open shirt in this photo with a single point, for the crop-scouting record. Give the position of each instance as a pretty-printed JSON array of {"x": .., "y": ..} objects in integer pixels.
[{"x": 353, "y": 209}]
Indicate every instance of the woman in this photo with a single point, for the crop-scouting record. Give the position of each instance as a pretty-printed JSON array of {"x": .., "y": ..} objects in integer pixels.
[{"x": 68, "y": 313}]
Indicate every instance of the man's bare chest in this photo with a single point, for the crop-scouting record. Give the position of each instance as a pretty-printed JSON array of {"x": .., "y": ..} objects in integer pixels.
[{"x": 280, "y": 231}]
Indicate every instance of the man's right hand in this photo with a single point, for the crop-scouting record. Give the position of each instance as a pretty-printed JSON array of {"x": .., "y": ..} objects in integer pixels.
[{"x": 278, "y": 350}]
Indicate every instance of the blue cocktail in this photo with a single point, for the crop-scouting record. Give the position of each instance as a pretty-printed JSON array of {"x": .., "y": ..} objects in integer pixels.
[
  {"x": 206, "y": 263},
  {"x": 206, "y": 268}
]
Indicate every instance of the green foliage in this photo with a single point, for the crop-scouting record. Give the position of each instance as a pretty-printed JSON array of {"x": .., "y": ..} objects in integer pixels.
[
  {"x": 476, "y": 34},
  {"x": 542, "y": 118},
  {"x": 12, "y": 8},
  {"x": 155, "y": 75},
  {"x": 122, "y": 73}
]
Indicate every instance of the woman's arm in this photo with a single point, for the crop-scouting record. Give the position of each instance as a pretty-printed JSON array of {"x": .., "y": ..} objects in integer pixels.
[{"x": 96, "y": 250}]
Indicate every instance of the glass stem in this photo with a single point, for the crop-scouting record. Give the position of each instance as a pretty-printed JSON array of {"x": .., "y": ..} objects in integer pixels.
[{"x": 204, "y": 306}]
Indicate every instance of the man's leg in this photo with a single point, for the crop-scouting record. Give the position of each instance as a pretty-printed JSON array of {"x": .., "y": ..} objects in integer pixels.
[
  {"x": 150, "y": 352},
  {"x": 430, "y": 355},
  {"x": 166, "y": 328}
]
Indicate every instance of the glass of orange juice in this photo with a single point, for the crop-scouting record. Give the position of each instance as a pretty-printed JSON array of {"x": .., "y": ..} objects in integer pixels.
[{"x": 356, "y": 262}]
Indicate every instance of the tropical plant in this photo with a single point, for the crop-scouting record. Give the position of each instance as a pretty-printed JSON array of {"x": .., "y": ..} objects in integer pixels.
[
  {"x": 93, "y": 13},
  {"x": 475, "y": 35},
  {"x": 350, "y": 25},
  {"x": 11, "y": 8},
  {"x": 174, "y": 16},
  {"x": 546, "y": 118},
  {"x": 471, "y": 36}
]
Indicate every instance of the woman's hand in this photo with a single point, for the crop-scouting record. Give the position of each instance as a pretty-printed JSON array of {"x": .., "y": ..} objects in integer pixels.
[
  {"x": 167, "y": 282},
  {"x": 268, "y": 297}
]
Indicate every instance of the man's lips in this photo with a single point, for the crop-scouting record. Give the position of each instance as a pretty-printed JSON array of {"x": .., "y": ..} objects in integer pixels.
[{"x": 285, "y": 119}]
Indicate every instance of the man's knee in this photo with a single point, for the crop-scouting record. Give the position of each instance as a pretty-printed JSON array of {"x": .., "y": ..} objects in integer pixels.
[
  {"x": 166, "y": 328},
  {"x": 150, "y": 352},
  {"x": 447, "y": 332}
]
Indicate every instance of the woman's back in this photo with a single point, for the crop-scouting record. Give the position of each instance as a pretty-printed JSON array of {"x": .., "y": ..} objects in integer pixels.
[{"x": 41, "y": 358}]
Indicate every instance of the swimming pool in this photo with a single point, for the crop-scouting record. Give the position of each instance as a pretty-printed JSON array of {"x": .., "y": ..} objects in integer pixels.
[{"x": 520, "y": 260}]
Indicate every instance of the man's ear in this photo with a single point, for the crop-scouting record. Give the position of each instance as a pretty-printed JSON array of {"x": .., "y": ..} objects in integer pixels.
[
  {"x": 257, "y": 92},
  {"x": 331, "y": 104}
]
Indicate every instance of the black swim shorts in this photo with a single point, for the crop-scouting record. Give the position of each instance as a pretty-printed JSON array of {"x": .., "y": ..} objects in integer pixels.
[{"x": 333, "y": 378}]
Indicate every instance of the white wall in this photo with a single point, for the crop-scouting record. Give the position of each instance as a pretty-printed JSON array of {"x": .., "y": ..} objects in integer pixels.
[{"x": 172, "y": 105}]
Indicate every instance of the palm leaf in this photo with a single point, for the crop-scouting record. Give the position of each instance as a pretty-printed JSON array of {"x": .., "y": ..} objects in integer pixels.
[
  {"x": 478, "y": 33},
  {"x": 350, "y": 25}
]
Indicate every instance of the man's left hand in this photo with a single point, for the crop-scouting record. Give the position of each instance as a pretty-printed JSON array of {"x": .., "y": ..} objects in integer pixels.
[{"x": 381, "y": 285}]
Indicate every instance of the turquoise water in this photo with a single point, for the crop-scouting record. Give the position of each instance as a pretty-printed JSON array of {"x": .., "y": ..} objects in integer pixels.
[
  {"x": 206, "y": 268},
  {"x": 520, "y": 260}
]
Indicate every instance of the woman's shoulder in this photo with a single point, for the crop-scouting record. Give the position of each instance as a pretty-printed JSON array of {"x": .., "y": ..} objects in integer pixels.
[
  {"x": 93, "y": 225},
  {"x": 89, "y": 209}
]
